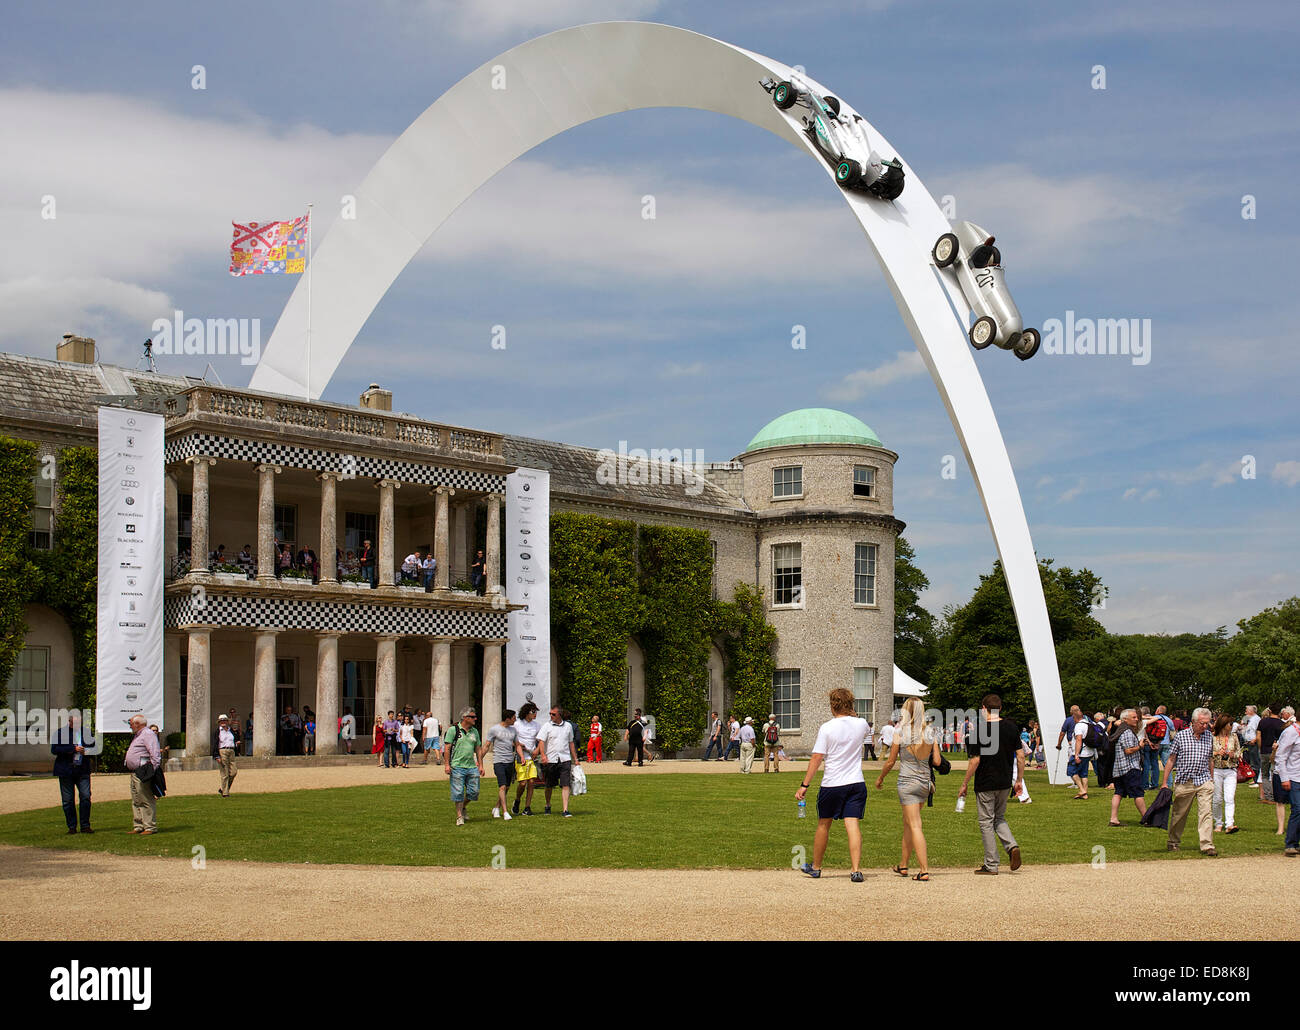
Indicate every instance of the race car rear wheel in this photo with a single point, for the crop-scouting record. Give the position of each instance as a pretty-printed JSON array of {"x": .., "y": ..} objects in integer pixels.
[
  {"x": 833, "y": 105},
  {"x": 890, "y": 185},
  {"x": 1027, "y": 346},
  {"x": 982, "y": 332},
  {"x": 945, "y": 250},
  {"x": 784, "y": 95},
  {"x": 848, "y": 173}
]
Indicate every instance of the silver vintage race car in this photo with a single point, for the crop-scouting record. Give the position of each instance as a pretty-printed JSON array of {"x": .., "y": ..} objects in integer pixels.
[
  {"x": 977, "y": 264},
  {"x": 840, "y": 139}
]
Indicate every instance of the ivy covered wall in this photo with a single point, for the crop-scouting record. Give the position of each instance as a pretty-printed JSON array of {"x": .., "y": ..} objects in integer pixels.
[{"x": 612, "y": 579}]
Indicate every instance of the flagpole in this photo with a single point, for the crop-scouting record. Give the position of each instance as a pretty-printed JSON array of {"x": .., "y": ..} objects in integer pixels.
[{"x": 309, "y": 397}]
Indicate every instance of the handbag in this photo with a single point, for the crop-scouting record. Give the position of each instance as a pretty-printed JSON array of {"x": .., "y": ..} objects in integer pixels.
[{"x": 1244, "y": 771}]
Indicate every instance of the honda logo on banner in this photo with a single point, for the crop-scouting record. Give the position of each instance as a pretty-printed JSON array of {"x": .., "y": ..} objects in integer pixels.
[{"x": 129, "y": 645}]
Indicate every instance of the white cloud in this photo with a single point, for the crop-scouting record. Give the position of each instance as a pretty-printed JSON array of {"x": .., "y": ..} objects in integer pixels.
[
  {"x": 676, "y": 370},
  {"x": 1070, "y": 494},
  {"x": 1287, "y": 472},
  {"x": 1150, "y": 495},
  {"x": 474, "y": 19},
  {"x": 1130, "y": 493},
  {"x": 904, "y": 365},
  {"x": 43, "y": 308}
]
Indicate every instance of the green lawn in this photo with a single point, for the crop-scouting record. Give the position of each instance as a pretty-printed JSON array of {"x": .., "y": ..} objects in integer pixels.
[{"x": 675, "y": 821}]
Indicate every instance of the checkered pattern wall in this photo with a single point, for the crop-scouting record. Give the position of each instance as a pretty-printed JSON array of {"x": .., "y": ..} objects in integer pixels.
[
  {"x": 283, "y": 613},
  {"x": 262, "y": 452}
]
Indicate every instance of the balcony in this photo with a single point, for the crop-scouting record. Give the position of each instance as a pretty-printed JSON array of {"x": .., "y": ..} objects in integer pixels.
[{"x": 318, "y": 421}]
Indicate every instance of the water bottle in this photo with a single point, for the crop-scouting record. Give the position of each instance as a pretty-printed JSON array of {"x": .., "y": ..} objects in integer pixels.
[
  {"x": 961, "y": 803},
  {"x": 802, "y": 808}
]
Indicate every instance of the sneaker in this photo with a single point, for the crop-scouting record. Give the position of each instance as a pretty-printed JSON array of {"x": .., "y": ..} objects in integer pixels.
[
  {"x": 855, "y": 877},
  {"x": 548, "y": 810},
  {"x": 506, "y": 816},
  {"x": 528, "y": 811},
  {"x": 515, "y": 809},
  {"x": 808, "y": 870},
  {"x": 460, "y": 820},
  {"x": 1171, "y": 847},
  {"x": 1289, "y": 852},
  {"x": 568, "y": 815},
  {"x": 496, "y": 813}
]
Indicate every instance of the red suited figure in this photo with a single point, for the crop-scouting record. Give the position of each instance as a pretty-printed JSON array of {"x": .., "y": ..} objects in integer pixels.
[{"x": 593, "y": 741}]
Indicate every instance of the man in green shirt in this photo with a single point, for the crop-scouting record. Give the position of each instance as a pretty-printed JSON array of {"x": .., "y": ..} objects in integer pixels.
[{"x": 463, "y": 751}]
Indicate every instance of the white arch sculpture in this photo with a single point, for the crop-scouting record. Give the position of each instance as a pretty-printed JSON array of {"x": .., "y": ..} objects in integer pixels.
[{"x": 572, "y": 76}]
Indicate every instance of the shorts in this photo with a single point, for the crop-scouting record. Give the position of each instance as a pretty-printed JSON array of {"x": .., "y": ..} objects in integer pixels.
[
  {"x": 505, "y": 773},
  {"x": 433, "y": 744},
  {"x": 1130, "y": 784},
  {"x": 557, "y": 774},
  {"x": 847, "y": 801},
  {"x": 464, "y": 783},
  {"x": 1079, "y": 768}
]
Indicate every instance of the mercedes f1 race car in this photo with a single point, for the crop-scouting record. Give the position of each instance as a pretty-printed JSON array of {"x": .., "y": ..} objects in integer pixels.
[
  {"x": 969, "y": 251},
  {"x": 840, "y": 139}
]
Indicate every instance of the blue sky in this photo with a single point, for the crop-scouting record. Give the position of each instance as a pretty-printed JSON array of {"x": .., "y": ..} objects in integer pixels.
[{"x": 1116, "y": 203}]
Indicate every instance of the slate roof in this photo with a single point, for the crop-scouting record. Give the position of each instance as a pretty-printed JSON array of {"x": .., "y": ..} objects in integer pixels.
[{"x": 573, "y": 473}]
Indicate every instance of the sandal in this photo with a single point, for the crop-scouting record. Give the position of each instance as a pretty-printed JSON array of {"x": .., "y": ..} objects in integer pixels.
[
  {"x": 922, "y": 877},
  {"x": 901, "y": 871},
  {"x": 1079, "y": 797},
  {"x": 1117, "y": 824}
]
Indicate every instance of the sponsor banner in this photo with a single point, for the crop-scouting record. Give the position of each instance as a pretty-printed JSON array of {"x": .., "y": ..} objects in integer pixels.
[
  {"x": 129, "y": 651},
  {"x": 528, "y": 582}
]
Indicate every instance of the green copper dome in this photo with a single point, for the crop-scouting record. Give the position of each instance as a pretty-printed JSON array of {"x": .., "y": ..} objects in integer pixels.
[{"x": 814, "y": 425}]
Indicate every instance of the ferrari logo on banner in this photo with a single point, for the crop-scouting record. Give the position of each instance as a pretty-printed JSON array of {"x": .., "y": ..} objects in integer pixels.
[{"x": 269, "y": 248}]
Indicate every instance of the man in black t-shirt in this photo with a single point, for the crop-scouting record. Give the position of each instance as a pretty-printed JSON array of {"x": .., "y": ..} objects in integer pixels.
[
  {"x": 634, "y": 736},
  {"x": 997, "y": 763},
  {"x": 1270, "y": 728}
]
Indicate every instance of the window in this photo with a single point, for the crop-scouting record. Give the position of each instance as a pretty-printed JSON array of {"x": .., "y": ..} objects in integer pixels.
[
  {"x": 29, "y": 683},
  {"x": 42, "y": 534},
  {"x": 286, "y": 524},
  {"x": 359, "y": 695},
  {"x": 864, "y": 574},
  {"x": 864, "y": 692},
  {"x": 358, "y": 527},
  {"x": 787, "y": 481},
  {"x": 785, "y": 698},
  {"x": 787, "y": 574},
  {"x": 864, "y": 481},
  {"x": 184, "y": 524}
]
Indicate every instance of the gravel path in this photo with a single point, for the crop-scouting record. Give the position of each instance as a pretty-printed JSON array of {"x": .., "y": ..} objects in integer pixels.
[{"x": 101, "y": 893}]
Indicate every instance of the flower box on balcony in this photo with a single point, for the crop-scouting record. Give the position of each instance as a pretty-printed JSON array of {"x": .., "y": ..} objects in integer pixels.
[{"x": 355, "y": 584}]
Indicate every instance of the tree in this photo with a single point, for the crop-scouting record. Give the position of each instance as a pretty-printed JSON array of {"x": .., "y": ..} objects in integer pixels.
[
  {"x": 916, "y": 643},
  {"x": 981, "y": 651},
  {"x": 1260, "y": 665}
]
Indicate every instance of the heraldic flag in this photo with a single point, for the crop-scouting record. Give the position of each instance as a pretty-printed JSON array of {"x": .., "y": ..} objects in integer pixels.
[{"x": 269, "y": 248}]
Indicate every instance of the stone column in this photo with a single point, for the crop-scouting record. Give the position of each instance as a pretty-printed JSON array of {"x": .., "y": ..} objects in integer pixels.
[
  {"x": 172, "y": 527},
  {"x": 199, "y": 546},
  {"x": 327, "y": 693},
  {"x": 492, "y": 706},
  {"x": 460, "y": 537},
  {"x": 266, "y": 719},
  {"x": 198, "y": 694},
  {"x": 492, "y": 549},
  {"x": 386, "y": 675},
  {"x": 266, "y": 556},
  {"x": 441, "y": 548},
  {"x": 386, "y": 488},
  {"x": 329, "y": 513},
  {"x": 440, "y": 682}
]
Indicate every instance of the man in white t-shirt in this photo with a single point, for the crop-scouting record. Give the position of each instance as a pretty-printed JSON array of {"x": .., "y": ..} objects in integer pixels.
[
  {"x": 843, "y": 792},
  {"x": 887, "y": 737},
  {"x": 432, "y": 739},
  {"x": 1081, "y": 755}
]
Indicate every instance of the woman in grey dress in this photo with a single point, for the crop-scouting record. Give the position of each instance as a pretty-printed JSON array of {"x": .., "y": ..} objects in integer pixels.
[{"x": 914, "y": 750}]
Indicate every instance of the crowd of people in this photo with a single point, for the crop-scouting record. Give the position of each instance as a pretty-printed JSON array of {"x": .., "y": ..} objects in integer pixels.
[{"x": 1200, "y": 757}]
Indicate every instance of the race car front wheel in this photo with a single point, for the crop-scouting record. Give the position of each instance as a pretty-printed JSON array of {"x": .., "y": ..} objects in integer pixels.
[
  {"x": 945, "y": 251},
  {"x": 982, "y": 332},
  {"x": 1027, "y": 346},
  {"x": 848, "y": 173},
  {"x": 784, "y": 95}
]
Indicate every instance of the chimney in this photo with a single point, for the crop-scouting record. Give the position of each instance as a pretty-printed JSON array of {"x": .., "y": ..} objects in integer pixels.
[
  {"x": 376, "y": 399},
  {"x": 77, "y": 349}
]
